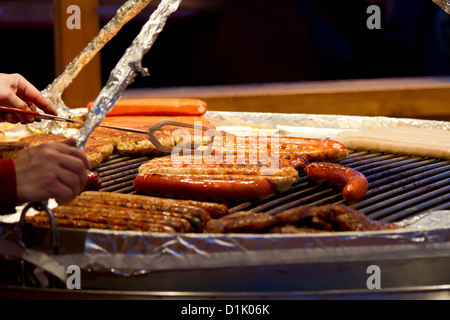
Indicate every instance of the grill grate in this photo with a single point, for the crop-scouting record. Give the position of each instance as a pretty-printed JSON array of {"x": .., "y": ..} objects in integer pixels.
[
  {"x": 399, "y": 186},
  {"x": 118, "y": 173}
]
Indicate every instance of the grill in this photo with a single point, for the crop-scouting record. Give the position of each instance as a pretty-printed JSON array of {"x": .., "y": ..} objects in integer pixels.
[{"x": 399, "y": 186}]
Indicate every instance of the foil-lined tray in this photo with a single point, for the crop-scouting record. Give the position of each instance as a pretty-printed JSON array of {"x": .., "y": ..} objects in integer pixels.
[
  {"x": 133, "y": 259},
  {"x": 130, "y": 254},
  {"x": 310, "y": 125}
]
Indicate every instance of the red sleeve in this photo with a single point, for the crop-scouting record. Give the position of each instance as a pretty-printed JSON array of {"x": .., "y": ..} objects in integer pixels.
[{"x": 8, "y": 187}]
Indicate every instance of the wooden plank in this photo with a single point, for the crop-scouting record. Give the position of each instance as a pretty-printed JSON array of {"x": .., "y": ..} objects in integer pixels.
[
  {"x": 70, "y": 42},
  {"x": 421, "y": 98}
]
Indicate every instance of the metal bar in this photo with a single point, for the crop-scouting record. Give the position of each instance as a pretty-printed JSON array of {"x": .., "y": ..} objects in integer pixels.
[
  {"x": 129, "y": 179},
  {"x": 400, "y": 187},
  {"x": 402, "y": 199},
  {"x": 410, "y": 208},
  {"x": 401, "y": 173},
  {"x": 119, "y": 167},
  {"x": 131, "y": 174}
]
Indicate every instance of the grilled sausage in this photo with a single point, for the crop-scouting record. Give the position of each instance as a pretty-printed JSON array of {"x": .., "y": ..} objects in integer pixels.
[
  {"x": 196, "y": 216},
  {"x": 355, "y": 183},
  {"x": 274, "y": 140},
  {"x": 214, "y": 210},
  {"x": 241, "y": 222},
  {"x": 213, "y": 166},
  {"x": 321, "y": 143},
  {"x": 314, "y": 150},
  {"x": 122, "y": 217},
  {"x": 202, "y": 188},
  {"x": 93, "y": 221}
]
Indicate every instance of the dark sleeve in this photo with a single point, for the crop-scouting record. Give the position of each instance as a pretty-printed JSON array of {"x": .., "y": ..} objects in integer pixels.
[{"x": 8, "y": 186}]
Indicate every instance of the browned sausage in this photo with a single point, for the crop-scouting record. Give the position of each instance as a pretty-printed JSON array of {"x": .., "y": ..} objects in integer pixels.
[
  {"x": 355, "y": 183},
  {"x": 312, "y": 149},
  {"x": 133, "y": 219},
  {"x": 215, "y": 210},
  {"x": 200, "y": 188}
]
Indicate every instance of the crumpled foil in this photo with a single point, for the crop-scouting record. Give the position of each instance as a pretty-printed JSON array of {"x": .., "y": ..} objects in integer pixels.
[
  {"x": 310, "y": 125},
  {"x": 444, "y": 4},
  {"x": 55, "y": 90},
  {"x": 126, "y": 69}
]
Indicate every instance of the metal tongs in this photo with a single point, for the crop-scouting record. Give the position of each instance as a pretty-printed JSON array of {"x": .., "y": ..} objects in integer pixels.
[{"x": 150, "y": 132}]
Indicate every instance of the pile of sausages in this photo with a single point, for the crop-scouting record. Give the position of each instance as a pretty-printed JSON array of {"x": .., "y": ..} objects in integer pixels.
[
  {"x": 115, "y": 211},
  {"x": 246, "y": 168}
]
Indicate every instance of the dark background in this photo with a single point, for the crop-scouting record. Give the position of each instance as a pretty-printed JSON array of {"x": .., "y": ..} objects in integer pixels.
[{"x": 250, "y": 41}]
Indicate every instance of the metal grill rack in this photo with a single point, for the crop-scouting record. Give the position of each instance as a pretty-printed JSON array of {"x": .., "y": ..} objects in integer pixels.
[{"x": 399, "y": 186}]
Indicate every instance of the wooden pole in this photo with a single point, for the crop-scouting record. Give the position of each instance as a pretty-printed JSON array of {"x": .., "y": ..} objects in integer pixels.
[{"x": 73, "y": 30}]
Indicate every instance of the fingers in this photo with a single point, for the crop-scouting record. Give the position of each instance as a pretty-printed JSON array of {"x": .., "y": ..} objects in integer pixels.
[
  {"x": 51, "y": 170},
  {"x": 27, "y": 92},
  {"x": 62, "y": 185},
  {"x": 69, "y": 183},
  {"x": 16, "y": 118},
  {"x": 11, "y": 100},
  {"x": 70, "y": 172},
  {"x": 9, "y": 117},
  {"x": 17, "y": 92}
]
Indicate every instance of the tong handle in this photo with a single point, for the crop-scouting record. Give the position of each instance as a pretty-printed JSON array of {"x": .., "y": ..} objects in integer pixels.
[
  {"x": 163, "y": 123},
  {"x": 55, "y": 238}
]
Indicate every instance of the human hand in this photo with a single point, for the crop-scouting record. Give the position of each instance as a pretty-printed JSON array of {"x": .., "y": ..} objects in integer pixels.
[
  {"x": 17, "y": 92},
  {"x": 51, "y": 170}
]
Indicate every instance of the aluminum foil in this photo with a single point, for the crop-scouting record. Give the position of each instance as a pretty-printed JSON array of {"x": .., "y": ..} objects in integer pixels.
[
  {"x": 444, "y": 4},
  {"x": 140, "y": 253},
  {"x": 128, "y": 253},
  {"x": 310, "y": 125},
  {"x": 126, "y": 69},
  {"x": 55, "y": 90}
]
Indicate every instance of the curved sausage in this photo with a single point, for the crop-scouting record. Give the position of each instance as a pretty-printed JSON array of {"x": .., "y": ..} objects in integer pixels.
[
  {"x": 355, "y": 183},
  {"x": 202, "y": 188}
]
